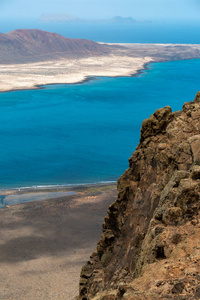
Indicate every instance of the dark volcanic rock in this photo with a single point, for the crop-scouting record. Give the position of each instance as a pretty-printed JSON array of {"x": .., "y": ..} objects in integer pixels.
[
  {"x": 29, "y": 45},
  {"x": 150, "y": 247}
]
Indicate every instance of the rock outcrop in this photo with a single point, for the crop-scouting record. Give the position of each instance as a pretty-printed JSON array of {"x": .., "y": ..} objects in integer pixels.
[{"x": 150, "y": 243}]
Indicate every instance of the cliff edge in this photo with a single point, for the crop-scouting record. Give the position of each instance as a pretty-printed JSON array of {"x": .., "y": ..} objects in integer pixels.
[{"x": 150, "y": 243}]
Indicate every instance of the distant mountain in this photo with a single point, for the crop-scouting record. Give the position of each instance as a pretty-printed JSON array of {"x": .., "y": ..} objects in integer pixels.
[
  {"x": 65, "y": 18},
  {"x": 121, "y": 20},
  {"x": 29, "y": 45}
]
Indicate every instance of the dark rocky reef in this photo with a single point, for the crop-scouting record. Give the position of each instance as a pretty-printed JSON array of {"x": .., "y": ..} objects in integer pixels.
[{"x": 150, "y": 243}]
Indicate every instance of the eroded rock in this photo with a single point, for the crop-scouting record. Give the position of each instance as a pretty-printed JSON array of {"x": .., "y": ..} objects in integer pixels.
[{"x": 150, "y": 246}]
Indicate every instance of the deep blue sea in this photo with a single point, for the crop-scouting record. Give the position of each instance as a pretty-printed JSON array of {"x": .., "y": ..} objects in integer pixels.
[
  {"x": 153, "y": 32},
  {"x": 85, "y": 133}
]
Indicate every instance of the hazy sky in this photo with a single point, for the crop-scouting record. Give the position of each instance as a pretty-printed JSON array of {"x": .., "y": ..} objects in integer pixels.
[{"x": 138, "y": 9}]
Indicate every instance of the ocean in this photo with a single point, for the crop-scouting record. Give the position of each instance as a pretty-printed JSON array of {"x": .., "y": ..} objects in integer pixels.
[
  {"x": 153, "y": 32},
  {"x": 85, "y": 133}
]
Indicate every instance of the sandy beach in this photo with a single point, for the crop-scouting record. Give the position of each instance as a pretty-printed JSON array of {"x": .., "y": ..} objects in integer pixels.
[
  {"x": 44, "y": 244},
  {"x": 124, "y": 60}
]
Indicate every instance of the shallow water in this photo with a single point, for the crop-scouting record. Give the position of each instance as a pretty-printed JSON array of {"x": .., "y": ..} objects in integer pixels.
[
  {"x": 72, "y": 134},
  {"x": 29, "y": 197}
]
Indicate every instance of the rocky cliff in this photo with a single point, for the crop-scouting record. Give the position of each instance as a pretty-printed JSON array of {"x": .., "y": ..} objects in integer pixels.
[{"x": 150, "y": 242}]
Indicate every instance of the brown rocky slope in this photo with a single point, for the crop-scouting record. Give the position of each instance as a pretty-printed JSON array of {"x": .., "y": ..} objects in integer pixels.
[
  {"x": 150, "y": 244},
  {"x": 32, "y": 45}
]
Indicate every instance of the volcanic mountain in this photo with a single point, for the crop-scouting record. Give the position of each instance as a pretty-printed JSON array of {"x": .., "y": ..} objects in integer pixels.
[
  {"x": 150, "y": 243},
  {"x": 31, "y": 45}
]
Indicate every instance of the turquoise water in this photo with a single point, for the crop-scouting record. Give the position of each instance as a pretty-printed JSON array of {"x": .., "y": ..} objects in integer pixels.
[{"x": 85, "y": 133}]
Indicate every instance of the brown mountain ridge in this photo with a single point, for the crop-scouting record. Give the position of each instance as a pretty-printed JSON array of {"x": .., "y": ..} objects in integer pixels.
[
  {"x": 31, "y": 45},
  {"x": 150, "y": 243}
]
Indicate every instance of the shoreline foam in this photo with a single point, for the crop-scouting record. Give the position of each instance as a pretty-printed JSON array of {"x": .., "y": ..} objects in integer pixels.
[{"x": 57, "y": 186}]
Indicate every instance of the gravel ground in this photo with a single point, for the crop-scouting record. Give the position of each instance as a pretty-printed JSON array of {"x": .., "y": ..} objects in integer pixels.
[{"x": 44, "y": 244}]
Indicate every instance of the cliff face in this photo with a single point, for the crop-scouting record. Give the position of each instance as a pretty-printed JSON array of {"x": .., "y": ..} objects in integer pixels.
[{"x": 150, "y": 244}]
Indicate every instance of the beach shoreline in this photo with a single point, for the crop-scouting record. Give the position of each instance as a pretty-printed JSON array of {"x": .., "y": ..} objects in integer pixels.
[
  {"x": 14, "y": 196},
  {"x": 44, "y": 244},
  {"x": 56, "y": 187}
]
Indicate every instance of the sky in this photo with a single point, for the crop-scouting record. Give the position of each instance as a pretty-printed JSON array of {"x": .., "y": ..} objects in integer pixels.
[{"x": 186, "y": 10}]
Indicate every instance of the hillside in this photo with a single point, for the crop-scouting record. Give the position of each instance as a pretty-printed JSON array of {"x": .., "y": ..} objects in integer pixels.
[
  {"x": 31, "y": 45},
  {"x": 150, "y": 244}
]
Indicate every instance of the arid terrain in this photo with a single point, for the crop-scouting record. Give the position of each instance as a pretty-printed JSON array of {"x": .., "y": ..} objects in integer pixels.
[
  {"x": 150, "y": 243},
  {"x": 149, "y": 247},
  {"x": 32, "y": 58},
  {"x": 34, "y": 75},
  {"x": 44, "y": 244}
]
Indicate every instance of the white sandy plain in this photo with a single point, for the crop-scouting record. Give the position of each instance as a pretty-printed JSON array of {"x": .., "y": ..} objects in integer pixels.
[
  {"x": 123, "y": 60},
  {"x": 32, "y": 75}
]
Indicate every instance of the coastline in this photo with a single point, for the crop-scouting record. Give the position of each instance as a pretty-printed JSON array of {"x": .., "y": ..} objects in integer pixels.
[
  {"x": 43, "y": 86},
  {"x": 51, "y": 238},
  {"x": 125, "y": 61},
  {"x": 56, "y": 186},
  {"x": 14, "y": 196},
  {"x": 67, "y": 71},
  {"x": 88, "y": 78}
]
